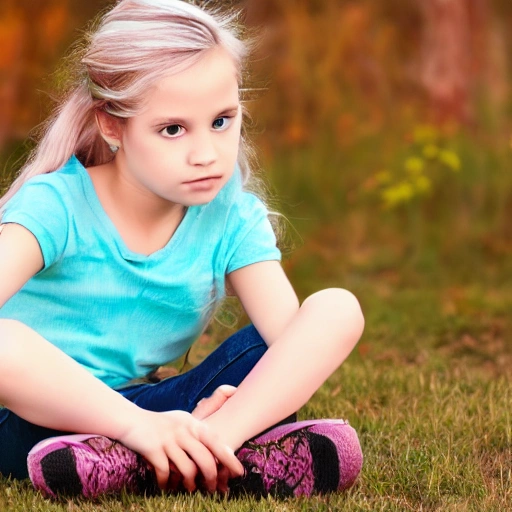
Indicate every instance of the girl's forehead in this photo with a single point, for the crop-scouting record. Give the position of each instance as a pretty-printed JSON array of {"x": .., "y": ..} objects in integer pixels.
[{"x": 212, "y": 78}]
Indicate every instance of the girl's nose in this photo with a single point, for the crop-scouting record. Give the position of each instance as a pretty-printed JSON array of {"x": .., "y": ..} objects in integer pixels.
[{"x": 203, "y": 152}]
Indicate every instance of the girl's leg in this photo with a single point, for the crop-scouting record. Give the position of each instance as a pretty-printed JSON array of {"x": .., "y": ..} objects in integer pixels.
[
  {"x": 228, "y": 364},
  {"x": 315, "y": 342},
  {"x": 17, "y": 437},
  {"x": 299, "y": 459}
]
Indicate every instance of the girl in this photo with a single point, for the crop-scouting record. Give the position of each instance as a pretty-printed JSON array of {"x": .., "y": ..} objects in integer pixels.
[{"x": 121, "y": 234}]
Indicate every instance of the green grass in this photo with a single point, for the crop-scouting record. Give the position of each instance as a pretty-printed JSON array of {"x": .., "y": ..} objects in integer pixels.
[{"x": 428, "y": 388}]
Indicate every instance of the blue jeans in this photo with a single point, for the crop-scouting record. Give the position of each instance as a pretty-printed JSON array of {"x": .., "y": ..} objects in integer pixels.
[{"x": 228, "y": 364}]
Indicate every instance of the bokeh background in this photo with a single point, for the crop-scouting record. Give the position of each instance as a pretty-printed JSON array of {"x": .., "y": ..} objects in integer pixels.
[{"x": 384, "y": 128}]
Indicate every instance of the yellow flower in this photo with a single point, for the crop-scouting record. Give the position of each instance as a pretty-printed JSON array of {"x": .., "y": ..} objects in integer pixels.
[
  {"x": 450, "y": 159},
  {"x": 397, "y": 194},
  {"x": 414, "y": 165}
]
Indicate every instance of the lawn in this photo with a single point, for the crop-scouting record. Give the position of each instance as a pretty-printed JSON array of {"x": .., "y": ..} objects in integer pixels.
[{"x": 428, "y": 388}]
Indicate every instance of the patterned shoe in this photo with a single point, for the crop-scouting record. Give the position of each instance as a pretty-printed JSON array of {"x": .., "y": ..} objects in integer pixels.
[
  {"x": 300, "y": 459},
  {"x": 88, "y": 466}
]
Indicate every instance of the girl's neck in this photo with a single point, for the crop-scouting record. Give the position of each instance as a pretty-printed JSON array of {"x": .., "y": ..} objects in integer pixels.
[{"x": 145, "y": 222}]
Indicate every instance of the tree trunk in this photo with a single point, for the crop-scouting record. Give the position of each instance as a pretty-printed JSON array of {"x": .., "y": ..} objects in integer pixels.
[{"x": 453, "y": 52}]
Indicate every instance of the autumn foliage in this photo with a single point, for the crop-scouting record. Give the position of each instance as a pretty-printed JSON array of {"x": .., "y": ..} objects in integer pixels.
[
  {"x": 339, "y": 90},
  {"x": 343, "y": 66}
]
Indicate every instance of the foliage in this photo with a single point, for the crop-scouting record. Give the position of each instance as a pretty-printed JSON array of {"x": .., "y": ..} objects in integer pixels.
[{"x": 427, "y": 158}]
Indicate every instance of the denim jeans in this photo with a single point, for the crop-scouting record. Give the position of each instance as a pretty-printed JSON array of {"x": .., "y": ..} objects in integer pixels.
[{"x": 228, "y": 364}]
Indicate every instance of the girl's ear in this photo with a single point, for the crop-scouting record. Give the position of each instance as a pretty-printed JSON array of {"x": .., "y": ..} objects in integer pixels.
[{"x": 109, "y": 127}]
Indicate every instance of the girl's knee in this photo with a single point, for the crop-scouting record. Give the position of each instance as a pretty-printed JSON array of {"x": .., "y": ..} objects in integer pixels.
[{"x": 339, "y": 304}]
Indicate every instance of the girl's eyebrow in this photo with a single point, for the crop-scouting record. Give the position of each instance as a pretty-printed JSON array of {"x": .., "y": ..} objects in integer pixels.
[{"x": 166, "y": 121}]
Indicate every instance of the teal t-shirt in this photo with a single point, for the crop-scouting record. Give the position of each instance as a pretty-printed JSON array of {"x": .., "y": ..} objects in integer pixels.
[{"x": 118, "y": 313}]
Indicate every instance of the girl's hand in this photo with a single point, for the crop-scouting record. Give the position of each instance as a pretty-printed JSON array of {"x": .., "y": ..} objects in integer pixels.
[
  {"x": 177, "y": 438},
  {"x": 207, "y": 406}
]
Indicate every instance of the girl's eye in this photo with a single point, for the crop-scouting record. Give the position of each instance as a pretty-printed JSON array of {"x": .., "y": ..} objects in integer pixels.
[
  {"x": 174, "y": 130},
  {"x": 221, "y": 123}
]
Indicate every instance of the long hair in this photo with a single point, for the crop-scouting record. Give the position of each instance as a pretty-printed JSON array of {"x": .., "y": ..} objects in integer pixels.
[{"x": 136, "y": 43}]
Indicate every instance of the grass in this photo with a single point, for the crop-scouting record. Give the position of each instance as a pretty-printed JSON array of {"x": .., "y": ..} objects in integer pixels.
[{"x": 428, "y": 388}]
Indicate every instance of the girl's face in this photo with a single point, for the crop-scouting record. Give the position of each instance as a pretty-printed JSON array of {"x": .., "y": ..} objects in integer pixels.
[{"x": 183, "y": 146}]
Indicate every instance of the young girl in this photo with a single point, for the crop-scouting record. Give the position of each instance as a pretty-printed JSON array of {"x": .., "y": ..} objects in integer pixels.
[{"x": 120, "y": 236}]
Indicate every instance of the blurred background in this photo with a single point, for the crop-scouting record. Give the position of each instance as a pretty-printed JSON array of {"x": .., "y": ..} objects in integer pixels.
[{"x": 384, "y": 128}]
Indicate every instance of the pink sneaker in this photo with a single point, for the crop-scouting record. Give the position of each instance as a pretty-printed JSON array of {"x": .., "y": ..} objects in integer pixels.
[
  {"x": 295, "y": 459},
  {"x": 89, "y": 466},
  {"x": 300, "y": 459}
]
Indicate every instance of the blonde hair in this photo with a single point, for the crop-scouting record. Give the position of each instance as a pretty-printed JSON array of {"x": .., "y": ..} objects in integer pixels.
[{"x": 136, "y": 43}]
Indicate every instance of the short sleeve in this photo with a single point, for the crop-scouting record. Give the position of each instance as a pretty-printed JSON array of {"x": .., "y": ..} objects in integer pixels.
[
  {"x": 252, "y": 238},
  {"x": 38, "y": 207}
]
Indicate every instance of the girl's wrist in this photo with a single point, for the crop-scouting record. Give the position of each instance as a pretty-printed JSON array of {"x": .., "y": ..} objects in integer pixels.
[
  {"x": 225, "y": 432},
  {"x": 126, "y": 420}
]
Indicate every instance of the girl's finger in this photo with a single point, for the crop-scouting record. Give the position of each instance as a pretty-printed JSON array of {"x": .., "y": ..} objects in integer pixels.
[
  {"x": 223, "y": 453},
  {"x": 226, "y": 390},
  {"x": 185, "y": 466},
  {"x": 222, "y": 479},
  {"x": 161, "y": 466},
  {"x": 205, "y": 461},
  {"x": 175, "y": 478},
  {"x": 207, "y": 406}
]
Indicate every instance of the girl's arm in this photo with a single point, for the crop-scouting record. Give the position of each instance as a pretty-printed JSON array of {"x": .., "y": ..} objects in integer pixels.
[
  {"x": 20, "y": 259},
  {"x": 46, "y": 387},
  {"x": 306, "y": 345}
]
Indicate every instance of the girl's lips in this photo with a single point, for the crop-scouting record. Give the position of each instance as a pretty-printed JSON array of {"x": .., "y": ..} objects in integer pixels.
[
  {"x": 206, "y": 178},
  {"x": 203, "y": 184}
]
